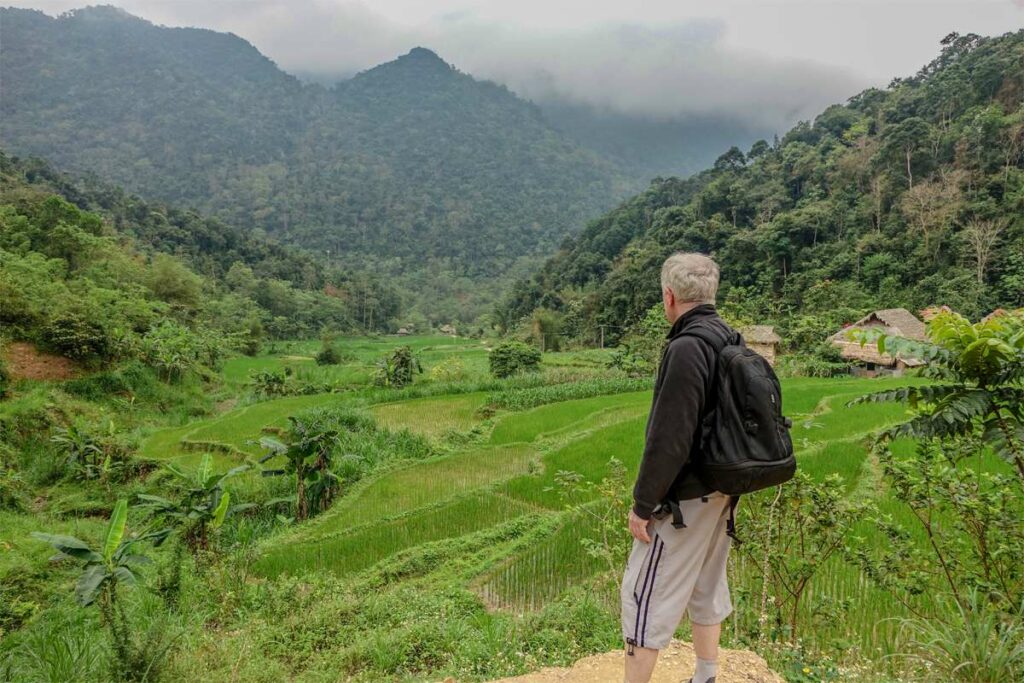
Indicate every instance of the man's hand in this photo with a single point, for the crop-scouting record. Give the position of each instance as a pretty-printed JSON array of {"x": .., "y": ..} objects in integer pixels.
[{"x": 638, "y": 527}]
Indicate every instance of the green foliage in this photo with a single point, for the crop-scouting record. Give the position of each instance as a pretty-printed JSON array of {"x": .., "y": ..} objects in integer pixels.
[
  {"x": 907, "y": 197},
  {"x": 271, "y": 383},
  {"x": 790, "y": 534},
  {"x": 104, "y": 572},
  {"x": 174, "y": 350},
  {"x": 524, "y": 399},
  {"x": 78, "y": 335},
  {"x": 231, "y": 133},
  {"x": 5, "y": 373},
  {"x": 308, "y": 455},
  {"x": 981, "y": 370},
  {"x": 202, "y": 504},
  {"x": 513, "y": 357},
  {"x": 328, "y": 355},
  {"x": 602, "y": 506},
  {"x": 399, "y": 369},
  {"x": 979, "y": 646},
  {"x": 451, "y": 369}
]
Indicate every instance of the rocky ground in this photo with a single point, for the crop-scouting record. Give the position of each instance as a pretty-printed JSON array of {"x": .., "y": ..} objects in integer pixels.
[{"x": 674, "y": 666}]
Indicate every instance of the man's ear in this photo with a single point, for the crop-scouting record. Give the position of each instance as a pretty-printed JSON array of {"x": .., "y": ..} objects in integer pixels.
[{"x": 670, "y": 296}]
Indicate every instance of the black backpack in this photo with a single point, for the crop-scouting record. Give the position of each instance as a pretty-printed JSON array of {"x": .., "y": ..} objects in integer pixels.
[{"x": 745, "y": 442}]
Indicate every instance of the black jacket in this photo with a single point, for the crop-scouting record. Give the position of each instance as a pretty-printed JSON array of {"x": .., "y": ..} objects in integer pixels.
[{"x": 674, "y": 425}]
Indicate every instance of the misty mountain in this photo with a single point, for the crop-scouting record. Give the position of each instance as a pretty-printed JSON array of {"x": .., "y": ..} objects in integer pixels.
[
  {"x": 407, "y": 167},
  {"x": 649, "y": 147},
  {"x": 911, "y": 196}
]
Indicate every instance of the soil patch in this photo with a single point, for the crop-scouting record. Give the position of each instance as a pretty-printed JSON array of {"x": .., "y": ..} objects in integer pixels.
[
  {"x": 675, "y": 665},
  {"x": 26, "y": 362}
]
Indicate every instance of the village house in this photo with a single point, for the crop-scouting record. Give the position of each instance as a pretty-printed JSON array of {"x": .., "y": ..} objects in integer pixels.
[
  {"x": 893, "y": 322},
  {"x": 763, "y": 340}
]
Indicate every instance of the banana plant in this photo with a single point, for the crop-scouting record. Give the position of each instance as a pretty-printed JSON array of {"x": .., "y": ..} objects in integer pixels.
[
  {"x": 204, "y": 503},
  {"x": 82, "y": 451},
  {"x": 112, "y": 564},
  {"x": 308, "y": 456},
  {"x": 104, "y": 571}
]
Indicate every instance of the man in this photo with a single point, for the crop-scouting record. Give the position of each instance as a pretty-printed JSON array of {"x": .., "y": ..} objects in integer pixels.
[{"x": 672, "y": 567}]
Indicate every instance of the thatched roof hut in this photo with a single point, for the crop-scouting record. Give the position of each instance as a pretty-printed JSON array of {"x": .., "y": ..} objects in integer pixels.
[
  {"x": 762, "y": 339},
  {"x": 893, "y": 322}
]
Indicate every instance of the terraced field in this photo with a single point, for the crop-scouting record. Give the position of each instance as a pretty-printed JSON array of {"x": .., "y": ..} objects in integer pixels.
[
  {"x": 513, "y": 473},
  {"x": 507, "y": 473}
]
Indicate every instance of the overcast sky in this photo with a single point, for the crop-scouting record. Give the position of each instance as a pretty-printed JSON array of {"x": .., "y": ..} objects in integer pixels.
[{"x": 767, "y": 61}]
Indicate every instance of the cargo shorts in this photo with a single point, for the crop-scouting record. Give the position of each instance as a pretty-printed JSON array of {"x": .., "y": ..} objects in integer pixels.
[{"x": 679, "y": 570}]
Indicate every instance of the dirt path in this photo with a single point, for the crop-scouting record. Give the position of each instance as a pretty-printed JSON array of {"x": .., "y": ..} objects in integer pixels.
[
  {"x": 27, "y": 362},
  {"x": 675, "y": 665}
]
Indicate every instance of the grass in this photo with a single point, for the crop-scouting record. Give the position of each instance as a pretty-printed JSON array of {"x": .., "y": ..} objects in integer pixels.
[
  {"x": 395, "y": 581},
  {"x": 535, "y": 577},
  {"x": 432, "y": 416},
  {"x": 555, "y": 417},
  {"x": 371, "y": 543}
]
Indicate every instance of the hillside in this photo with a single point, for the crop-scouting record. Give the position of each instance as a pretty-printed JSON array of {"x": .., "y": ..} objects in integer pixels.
[
  {"x": 910, "y": 196},
  {"x": 101, "y": 277},
  {"x": 411, "y": 166}
]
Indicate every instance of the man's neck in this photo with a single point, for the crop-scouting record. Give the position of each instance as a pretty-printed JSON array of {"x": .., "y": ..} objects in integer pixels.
[{"x": 682, "y": 309}]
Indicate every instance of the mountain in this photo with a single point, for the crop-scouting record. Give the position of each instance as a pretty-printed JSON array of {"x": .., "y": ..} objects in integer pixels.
[
  {"x": 101, "y": 276},
  {"x": 646, "y": 146},
  {"x": 906, "y": 197},
  {"x": 411, "y": 168}
]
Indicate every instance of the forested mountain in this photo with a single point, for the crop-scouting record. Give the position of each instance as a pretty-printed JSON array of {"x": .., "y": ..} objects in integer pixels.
[
  {"x": 647, "y": 146},
  {"x": 96, "y": 274},
  {"x": 909, "y": 196},
  {"x": 411, "y": 167}
]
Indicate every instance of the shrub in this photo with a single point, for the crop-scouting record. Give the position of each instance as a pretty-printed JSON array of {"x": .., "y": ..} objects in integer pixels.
[
  {"x": 173, "y": 350},
  {"x": 450, "y": 369},
  {"x": 72, "y": 334},
  {"x": 328, "y": 355},
  {"x": 509, "y": 358},
  {"x": 398, "y": 369},
  {"x": 270, "y": 383}
]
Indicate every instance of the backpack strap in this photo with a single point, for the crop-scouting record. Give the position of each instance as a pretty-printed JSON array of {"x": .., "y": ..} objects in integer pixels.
[
  {"x": 677, "y": 514},
  {"x": 730, "y": 524},
  {"x": 717, "y": 339}
]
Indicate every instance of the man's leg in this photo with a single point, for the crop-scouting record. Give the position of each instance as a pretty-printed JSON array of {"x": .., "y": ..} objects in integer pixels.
[
  {"x": 705, "y": 640},
  {"x": 640, "y": 664},
  {"x": 659, "y": 583},
  {"x": 710, "y": 603},
  {"x": 705, "y": 645}
]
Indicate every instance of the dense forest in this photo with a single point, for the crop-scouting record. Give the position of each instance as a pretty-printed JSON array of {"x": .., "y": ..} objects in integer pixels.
[
  {"x": 412, "y": 168},
  {"x": 910, "y": 196},
  {"x": 101, "y": 276}
]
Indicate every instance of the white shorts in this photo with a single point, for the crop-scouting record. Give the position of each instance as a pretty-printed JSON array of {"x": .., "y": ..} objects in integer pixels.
[{"x": 679, "y": 570}]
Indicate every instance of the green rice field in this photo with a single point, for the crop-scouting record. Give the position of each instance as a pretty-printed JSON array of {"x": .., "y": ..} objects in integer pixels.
[{"x": 504, "y": 470}]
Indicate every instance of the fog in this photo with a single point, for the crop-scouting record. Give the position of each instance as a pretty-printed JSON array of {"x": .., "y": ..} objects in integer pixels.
[{"x": 767, "y": 63}]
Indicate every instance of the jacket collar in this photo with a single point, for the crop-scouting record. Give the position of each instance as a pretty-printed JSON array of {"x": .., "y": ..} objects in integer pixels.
[{"x": 691, "y": 316}]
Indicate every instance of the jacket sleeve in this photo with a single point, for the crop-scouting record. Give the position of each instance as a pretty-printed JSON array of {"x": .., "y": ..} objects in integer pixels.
[{"x": 673, "y": 423}]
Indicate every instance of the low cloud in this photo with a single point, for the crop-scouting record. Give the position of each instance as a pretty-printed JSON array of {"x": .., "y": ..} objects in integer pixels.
[{"x": 670, "y": 72}]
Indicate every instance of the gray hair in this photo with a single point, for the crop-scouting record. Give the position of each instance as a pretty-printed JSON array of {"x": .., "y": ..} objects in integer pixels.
[{"x": 693, "y": 278}]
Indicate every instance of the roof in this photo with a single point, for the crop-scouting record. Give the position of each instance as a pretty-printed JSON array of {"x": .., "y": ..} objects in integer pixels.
[
  {"x": 893, "y": 322},
  {"x": 898, "y": 322},
  {"x": 761, "y": 334}
]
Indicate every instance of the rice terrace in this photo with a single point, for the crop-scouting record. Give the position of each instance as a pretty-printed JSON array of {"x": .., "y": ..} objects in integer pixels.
[{"x": 627, "y": 336}]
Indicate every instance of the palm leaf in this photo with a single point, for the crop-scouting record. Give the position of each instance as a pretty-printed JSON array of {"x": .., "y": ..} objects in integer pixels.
[
  {"x": 115, "y": 532},
  {"x": 221, "y": 511},
  {"x": 69, "y": 546},
  {"x": 89, "y": 584}
]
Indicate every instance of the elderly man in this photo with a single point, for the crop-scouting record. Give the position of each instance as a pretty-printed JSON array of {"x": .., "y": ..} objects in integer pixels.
[{"x": 678, "y": 560}]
